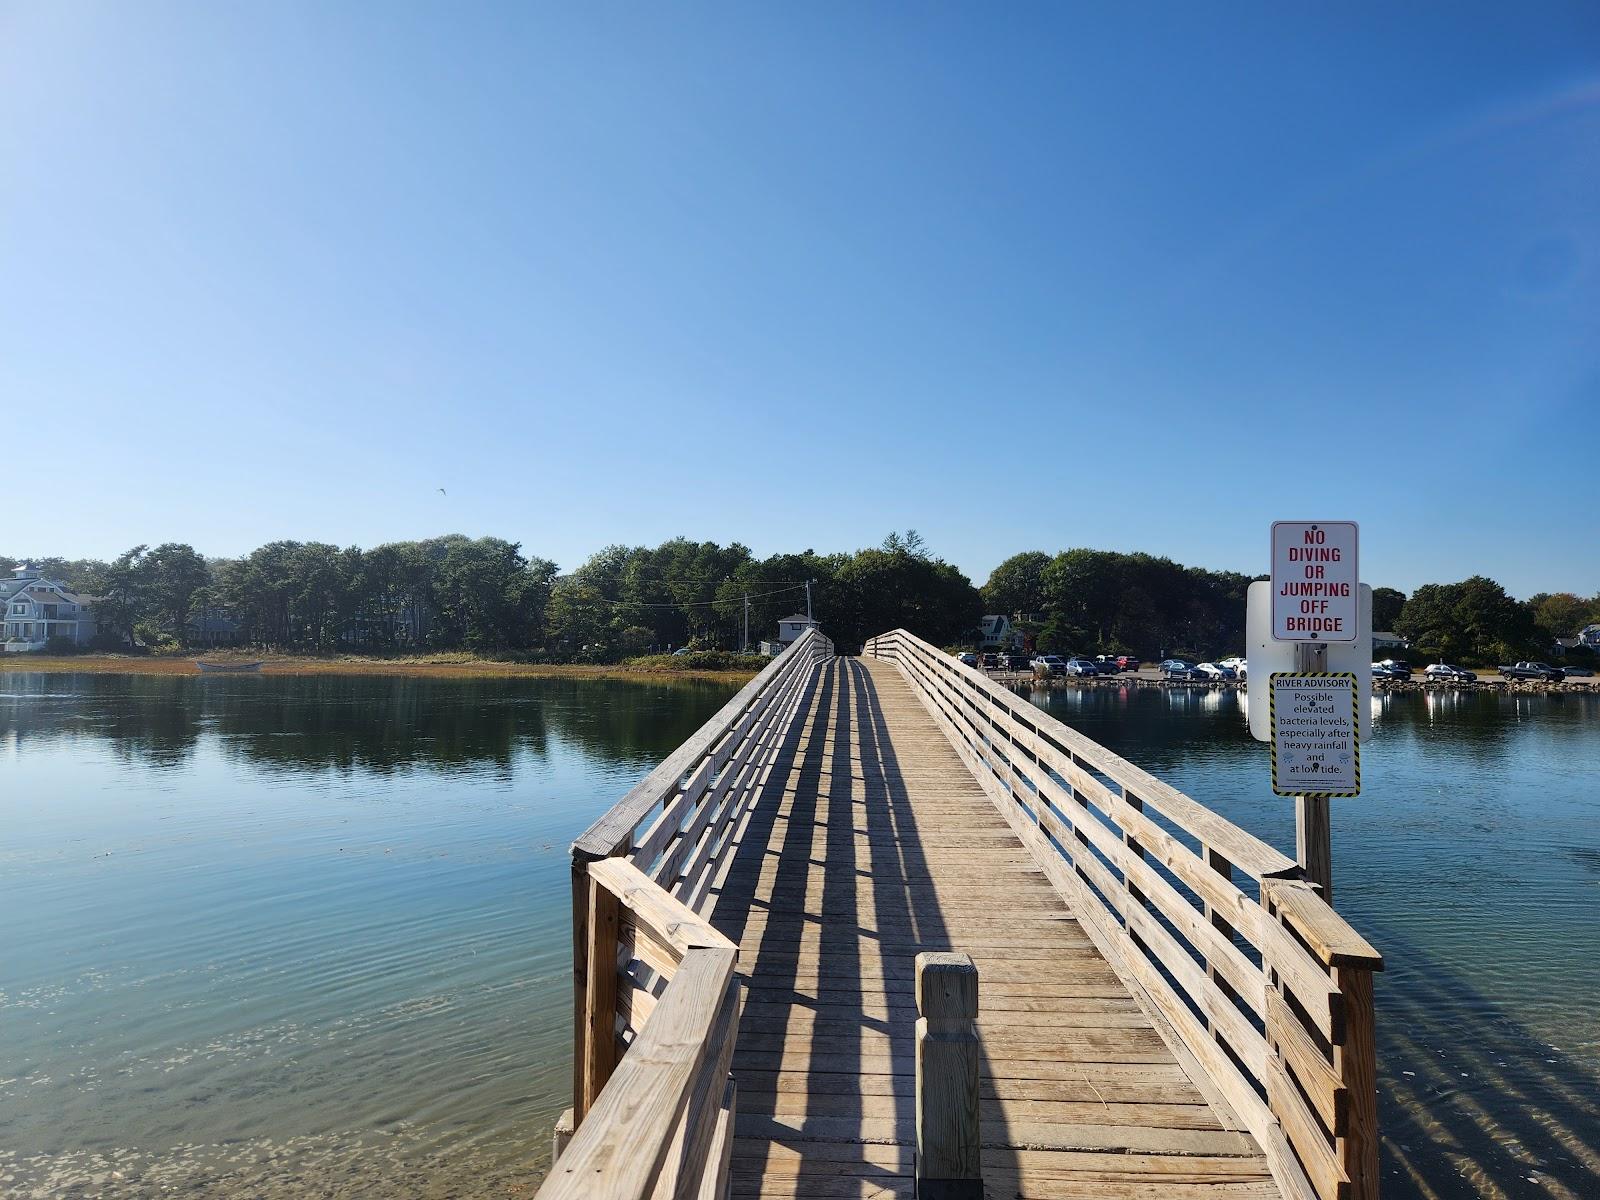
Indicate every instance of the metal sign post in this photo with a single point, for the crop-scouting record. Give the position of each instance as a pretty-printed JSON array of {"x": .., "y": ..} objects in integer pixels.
[{"x": 1316, "y": 608}]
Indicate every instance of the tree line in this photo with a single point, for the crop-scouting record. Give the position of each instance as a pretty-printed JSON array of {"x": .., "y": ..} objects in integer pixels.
[
  {"x": 486, "y": 596},
  {"x": 1105, "y": 602}
]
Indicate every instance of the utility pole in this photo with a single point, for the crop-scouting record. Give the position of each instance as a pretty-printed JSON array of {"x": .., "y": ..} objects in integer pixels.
[
  {"x": 746, "y": 646},
  {"x": 808, "y": 600}
]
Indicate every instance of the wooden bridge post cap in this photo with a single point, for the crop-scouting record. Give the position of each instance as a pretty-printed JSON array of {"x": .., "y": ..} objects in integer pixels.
[{"x": 947, "y": 986}]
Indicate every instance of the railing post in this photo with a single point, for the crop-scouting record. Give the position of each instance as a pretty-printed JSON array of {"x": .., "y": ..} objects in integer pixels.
[
  {"x": 949, "y": 1142},
  {"x": 1223, "y": 867},
  {"x": 596, "y": 1032},
  {"x": 1356, "y": 1062},
  {"x": 580, "y": 984}
]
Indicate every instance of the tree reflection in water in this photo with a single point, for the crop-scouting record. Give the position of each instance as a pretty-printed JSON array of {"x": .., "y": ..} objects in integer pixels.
[{"x": 358, "y": 723}]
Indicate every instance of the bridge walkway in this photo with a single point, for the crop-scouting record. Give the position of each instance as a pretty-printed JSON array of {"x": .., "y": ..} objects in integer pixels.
[{"x": 871, "y": 841}]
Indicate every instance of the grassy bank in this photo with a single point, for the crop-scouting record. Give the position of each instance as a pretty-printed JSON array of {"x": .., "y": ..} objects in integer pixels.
[{"x": 435, "y": 666}]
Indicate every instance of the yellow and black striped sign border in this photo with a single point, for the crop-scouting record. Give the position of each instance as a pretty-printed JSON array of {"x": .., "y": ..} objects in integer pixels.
[{"x": 1355, "y": 726}]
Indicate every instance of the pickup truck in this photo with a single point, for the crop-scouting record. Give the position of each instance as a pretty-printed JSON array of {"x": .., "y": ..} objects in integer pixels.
[{"x": 1532, "y": 670}]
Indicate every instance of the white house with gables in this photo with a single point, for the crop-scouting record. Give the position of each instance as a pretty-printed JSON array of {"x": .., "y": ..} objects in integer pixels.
[
  {"x": 998, "y": 633},
  {"x": 38, "y": 609},
  {"x": 790, "y": 629}
]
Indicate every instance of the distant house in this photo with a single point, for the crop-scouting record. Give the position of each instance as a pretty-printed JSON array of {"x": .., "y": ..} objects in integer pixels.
[
  {"x": 1388, "y": 640},
  {"x": 1562, "y": 645},
  {"x": 998, "y": 633},
  {"x": 790, "y": 630},
  {"x": 38, "y": 609},
  {"x": 1589, "y": 636}
]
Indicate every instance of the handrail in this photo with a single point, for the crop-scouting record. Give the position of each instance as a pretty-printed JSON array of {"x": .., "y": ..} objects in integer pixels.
[
  {"x": 681, "y": 779},
  {"x": 655, "y": 994},
  {"x": 644, "y": 1124},
  {"x": 1268, "y": 994}
]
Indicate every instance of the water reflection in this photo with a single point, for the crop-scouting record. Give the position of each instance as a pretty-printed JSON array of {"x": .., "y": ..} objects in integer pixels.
[
  {"x": 274, "y": 937},
  {"x": 353, "y": 723},
  {"x": 1473, "y": 860}
]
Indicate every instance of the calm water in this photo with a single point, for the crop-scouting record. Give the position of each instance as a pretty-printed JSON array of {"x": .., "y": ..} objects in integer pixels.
[
  {"x": 1472, "y": 860},
  {"x": 275, "y": 936},
  {"x": 272, "y": 936}
]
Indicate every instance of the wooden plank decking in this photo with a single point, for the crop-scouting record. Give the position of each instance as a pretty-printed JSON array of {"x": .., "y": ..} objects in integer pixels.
[{"x": 872, "y": 841}]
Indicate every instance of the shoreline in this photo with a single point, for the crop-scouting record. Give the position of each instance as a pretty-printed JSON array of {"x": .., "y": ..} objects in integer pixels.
[
  {"x": 1489, "y": 681},
  {"x": 443, "y": 666}
]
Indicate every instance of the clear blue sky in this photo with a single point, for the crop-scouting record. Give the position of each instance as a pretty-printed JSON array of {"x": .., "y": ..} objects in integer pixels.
[{"x": 1019, "y": 276}]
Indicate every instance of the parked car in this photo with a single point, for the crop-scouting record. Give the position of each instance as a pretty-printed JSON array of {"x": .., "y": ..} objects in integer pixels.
[
  {"x": 1234, "y": 664},
  {"x": 1177, "y": 668},
  {"x": 1533, "y": 670},
  {"x": 1577, "y": 672},
  {"x": 1389, "y": 669},
  {"x": 1446, "y": 671},
  {"x": 989, "y": 662},
  {"x": 1015, "y": 662},
  {"x": 1082, "y": 666},
  {"x": 1128, "y": 662},
  {"x": 1049, "y": 664},
  {"x": 1214, "y": 671},
  {"x": 967, "y": 658}
]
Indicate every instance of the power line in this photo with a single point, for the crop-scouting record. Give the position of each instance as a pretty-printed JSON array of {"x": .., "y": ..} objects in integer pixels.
[{"x": 693, "y": 603}]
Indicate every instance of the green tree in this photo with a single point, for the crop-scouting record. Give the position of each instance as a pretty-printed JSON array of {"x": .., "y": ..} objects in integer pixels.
[
  {"x": 901, "y": 586},
  {"x": 1386, "y": 605},
  {"x": 1473, "y": 622},
  {"x": 1562, "y": 614},
  {"x": 122, "y": 590},
  {"x": 175, "y": 575},
  {"x": 1017, "y": 585}
]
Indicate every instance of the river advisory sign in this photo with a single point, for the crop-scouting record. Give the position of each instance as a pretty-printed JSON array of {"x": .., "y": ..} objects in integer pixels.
[
  {"x": 1314, "y": 581},
  {"x": 1316, "y": 739}
]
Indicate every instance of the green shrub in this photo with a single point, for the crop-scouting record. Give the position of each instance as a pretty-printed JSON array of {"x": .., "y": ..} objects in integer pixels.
[
  {"x": 701, "y": 660},
  {"x": 60, "y": 645}
]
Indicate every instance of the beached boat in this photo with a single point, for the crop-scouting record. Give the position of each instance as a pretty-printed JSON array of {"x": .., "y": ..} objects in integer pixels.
[{"x": 209, "y": 667}]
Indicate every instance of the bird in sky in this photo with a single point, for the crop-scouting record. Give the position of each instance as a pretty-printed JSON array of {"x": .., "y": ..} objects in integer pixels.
[{"x": 442, "y": 492}]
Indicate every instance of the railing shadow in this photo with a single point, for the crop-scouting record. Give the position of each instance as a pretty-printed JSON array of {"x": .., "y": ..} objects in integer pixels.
[
  {"x": 830, "y": 864},
  {"x": 917, "y": 910},
  {"x": 1472, "y": 1103}
]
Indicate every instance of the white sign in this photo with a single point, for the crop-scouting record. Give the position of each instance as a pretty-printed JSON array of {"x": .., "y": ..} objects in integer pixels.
[
  {"x": 1264, "y": 656},
  {"x": 1316, "y": 743},
  {"x": 1314, "y": 581}
]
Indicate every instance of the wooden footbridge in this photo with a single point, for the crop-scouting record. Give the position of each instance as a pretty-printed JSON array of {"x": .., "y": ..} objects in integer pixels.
[{"x": 884, "y": 929}]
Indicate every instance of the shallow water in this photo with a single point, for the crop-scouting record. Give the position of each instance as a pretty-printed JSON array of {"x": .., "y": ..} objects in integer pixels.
[
  {"x": 1472, "y": 860},
  {"x": 288, "y": 936},
  {"x": 284, "y": 936}
]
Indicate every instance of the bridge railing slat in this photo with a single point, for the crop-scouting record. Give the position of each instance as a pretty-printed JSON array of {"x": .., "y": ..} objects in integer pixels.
[
  {"x": 655, "y": 996},
  {"x": 1270, "y": 995}
]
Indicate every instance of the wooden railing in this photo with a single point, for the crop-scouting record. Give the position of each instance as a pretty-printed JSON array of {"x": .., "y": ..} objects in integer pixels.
[
  {"x": 655, "y": 994},
  {"x": 1267, "y": 991}
]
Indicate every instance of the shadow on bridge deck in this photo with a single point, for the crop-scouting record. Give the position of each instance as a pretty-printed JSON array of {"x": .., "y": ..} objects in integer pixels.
[{"x": 870, "y": 842}]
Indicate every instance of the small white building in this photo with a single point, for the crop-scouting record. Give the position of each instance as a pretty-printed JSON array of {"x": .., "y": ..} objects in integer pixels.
[
  {"x": 997, "y": 633},
  {"x": 38, "y": 609},
  {"x": 1589, "y": 636},
  {"x": 790, "y": 630}
]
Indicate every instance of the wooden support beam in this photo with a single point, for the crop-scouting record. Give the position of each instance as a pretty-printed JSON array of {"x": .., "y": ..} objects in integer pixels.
[
  {"x": 1356, "y": 1061},
  {"x": 949, "y": 1143},
  {"x": 580, "y": 983},
  {"x": 600, "y": 996}
]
